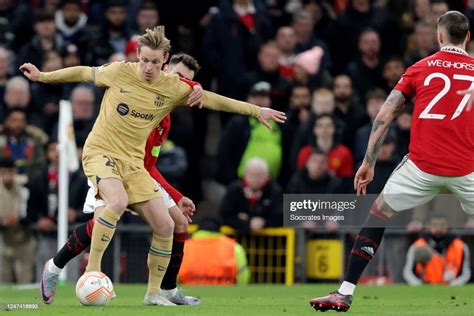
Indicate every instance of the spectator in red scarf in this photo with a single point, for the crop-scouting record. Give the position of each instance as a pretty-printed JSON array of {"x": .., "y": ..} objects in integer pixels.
[{"x": 254, "y": 202}]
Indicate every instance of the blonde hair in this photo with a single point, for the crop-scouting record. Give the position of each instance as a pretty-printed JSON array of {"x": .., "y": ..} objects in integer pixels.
[{"x": 155, "y": 39}]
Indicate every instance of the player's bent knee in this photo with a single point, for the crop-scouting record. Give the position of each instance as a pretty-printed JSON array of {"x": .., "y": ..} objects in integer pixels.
[
  {"x": 118, "y": 204},
  {"x": 98, "y": 211},
  {"x": 165, "y": 227},
  {"x": 384, "y": 208},
  {"x": 181, "y": 226}
]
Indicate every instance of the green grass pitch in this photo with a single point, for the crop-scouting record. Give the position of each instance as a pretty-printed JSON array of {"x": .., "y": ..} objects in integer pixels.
[{"x": 258, "y": 300}]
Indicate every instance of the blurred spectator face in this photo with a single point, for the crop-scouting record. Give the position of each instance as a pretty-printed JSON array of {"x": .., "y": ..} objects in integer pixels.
[
  {"x": 438, "y": 9},
  {"x": 51, "y": 4},
  {"x": 262, "y": 100},
  {"x": 181, "y": 70},
  {"x": 404, "y": 121},
  {"x": 323, "y": 102},
  {"x": 4, "y": 60},
  {"x": 17, "y": 93},
  {"x": 301, "y": 75},
  {"x": 53, "y": 153},
  {"x": 52, "y": 62},
  {"x": 300, "y": 98},
  {"x": 373, "y": 107},
  {"x": 324, "y": 128},
  {"x": 15, "y": 123},
  {"x": 317, "y": 165},
  {"x": 71, "y": 60},
  {"x": 314, "y": 8},
  {"x": 147, "y": 19},
  {"x": 256, "y": 174},
  {"x": 132, "y": 57},
  {"x": 116, "y": 15},
  {"x": 116, "y": 57},
  {"x": 437, "y": 227},
  {"x": 82, "y": 101},
  {"x": 242, "y": 3},
  {"x": 361, "y": 5},
  {"x": 45, "y": 29},
  {"x": 71, "y": 13},
  {"x": 7, "y": 175},
  {"x": 423, "y": 9},
  {"x": 369, "y": 44},
  {"x": 342, "y": 88},
  {"x": 303, "y": 27},
  {"x": 268, "y": 58},
  {"x": 286, "y": 39},
  {"x": 393, "y": 70},
  {"x": 425, "y": 37},
  {"x": 386, "y": 151}
]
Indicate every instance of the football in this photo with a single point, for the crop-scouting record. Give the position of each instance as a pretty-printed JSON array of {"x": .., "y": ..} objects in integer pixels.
[{"x": 94, "y": 288}]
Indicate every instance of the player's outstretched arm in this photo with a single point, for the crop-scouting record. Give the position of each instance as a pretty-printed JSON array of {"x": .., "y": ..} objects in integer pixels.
[
  {"x": 71, "y": 74},
  {"x": 390, "y": 109},
  {"x": 217, "y": 102}
]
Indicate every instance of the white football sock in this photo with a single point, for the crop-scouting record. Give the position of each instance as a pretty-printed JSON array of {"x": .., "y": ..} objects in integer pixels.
[
  {"x": 171, "y": 292},
  {"x": 347, "y": 288},
  {"x": 53, "y": 268}
]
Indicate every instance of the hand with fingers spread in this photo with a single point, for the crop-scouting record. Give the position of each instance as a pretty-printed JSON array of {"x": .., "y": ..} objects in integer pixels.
[
  {"x": 363, "y": 177},
  {"x": 268, "y": 114},
  {"x": 30, "y": 71},
  {"x": 186, "y": 205},
  {"x": 470, "y": 101},
  {"x": 195, "y": 97}
]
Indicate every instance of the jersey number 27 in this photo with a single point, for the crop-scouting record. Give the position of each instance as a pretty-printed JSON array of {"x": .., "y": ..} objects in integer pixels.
[{"x": 447, "y": 86}]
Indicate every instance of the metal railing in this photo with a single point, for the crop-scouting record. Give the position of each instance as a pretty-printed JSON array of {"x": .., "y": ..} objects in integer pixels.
[{"x": 275, "y": 255}]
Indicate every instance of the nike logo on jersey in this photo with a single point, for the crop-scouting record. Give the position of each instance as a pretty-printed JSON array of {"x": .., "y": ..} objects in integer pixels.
[
  {"x": 124, "y": 91},
  {"x": 156, "y": 190}
]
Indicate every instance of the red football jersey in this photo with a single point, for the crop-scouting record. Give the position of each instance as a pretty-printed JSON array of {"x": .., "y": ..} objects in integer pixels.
[
  {"x": 152, "y": 150},
  {"x": 442, "y": 132}
]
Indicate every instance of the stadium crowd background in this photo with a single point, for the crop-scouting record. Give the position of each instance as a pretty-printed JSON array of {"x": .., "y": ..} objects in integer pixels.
[{"x": 328, "y": 64}]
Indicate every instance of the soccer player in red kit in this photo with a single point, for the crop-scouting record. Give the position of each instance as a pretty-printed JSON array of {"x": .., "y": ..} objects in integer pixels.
[
  {"x": 186, "y": 67},
  {"x": 441, "y": 151}
]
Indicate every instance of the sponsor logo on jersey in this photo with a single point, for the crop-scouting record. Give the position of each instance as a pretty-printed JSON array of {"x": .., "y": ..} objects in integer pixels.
[
  {"x": 122, "y": 109},
  {"x": 145, "y": 116}
]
